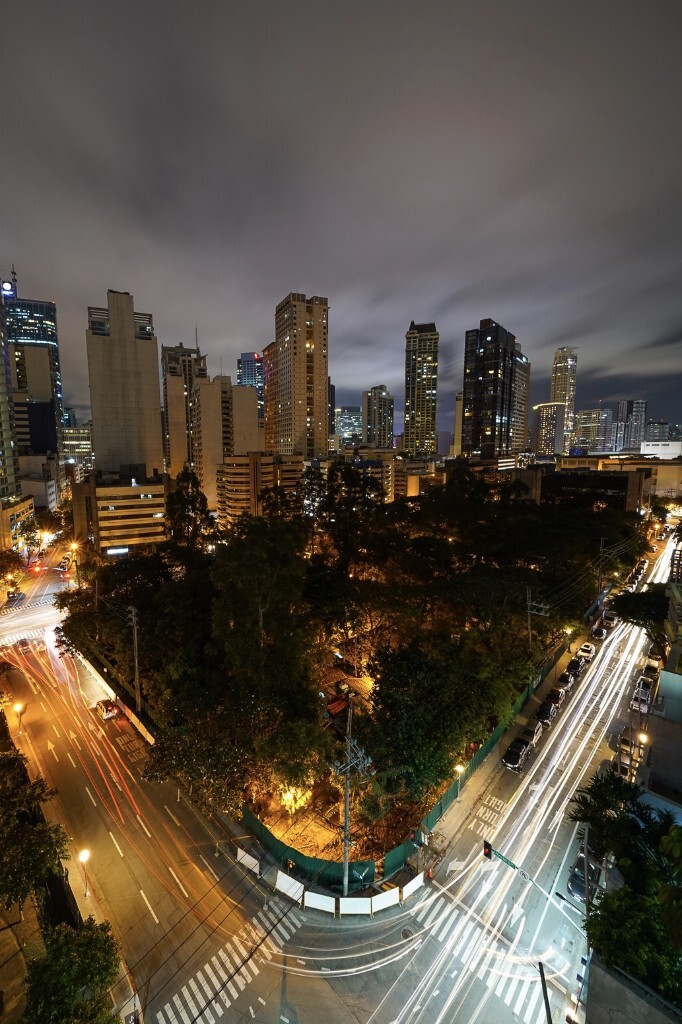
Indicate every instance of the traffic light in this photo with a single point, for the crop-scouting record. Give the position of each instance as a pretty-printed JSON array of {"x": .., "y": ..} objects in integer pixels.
[{"x": 487, "y": 849}]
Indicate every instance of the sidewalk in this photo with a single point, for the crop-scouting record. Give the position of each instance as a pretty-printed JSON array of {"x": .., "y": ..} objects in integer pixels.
[{"x": 20, "y": 941}]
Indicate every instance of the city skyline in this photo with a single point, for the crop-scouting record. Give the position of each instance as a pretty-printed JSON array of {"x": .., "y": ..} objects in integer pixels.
[{"x": 192, "y": 184}]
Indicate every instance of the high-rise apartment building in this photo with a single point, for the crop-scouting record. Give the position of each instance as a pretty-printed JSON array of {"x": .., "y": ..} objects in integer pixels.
[
  {"x": 35, "y": 372},
  {"x": 377, "y": 417},
  {"x": 123, "y": 367},
  {"x": 225, "y": 424},
  {"x": 9, "y": 467},
  {"x": 250, "y": 375},
  {"x": 296, "y": 378},
  {"x": 421, "y": 389},
  {"x": 180, "y": 368},
  {"x": 547, "y": 430},
  {"x": 562, "y": 387},
  {"x": 495, "y": 393},
  {"x": 332, "y": 406},
  {"x": 456, "y": 449}
]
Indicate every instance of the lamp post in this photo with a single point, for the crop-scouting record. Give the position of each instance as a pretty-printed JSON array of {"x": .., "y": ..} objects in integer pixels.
[
  {"x": 19, "y": 708},
  {"x": 74, "y": 556},
  {"x": 459, "y": 769},
  {"x": 569, "y": 630},
  {"x": 84, "y": 857}
]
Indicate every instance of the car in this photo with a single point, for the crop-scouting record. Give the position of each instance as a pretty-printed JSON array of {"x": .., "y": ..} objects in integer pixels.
[
  {"x": 631, "y": 747},
  {"x": 566, "y": 680},
  {"x": 611, "y": 620},
  {"x": 577, "y": 883},
  {"x": 516, "y": 754},
  {"x": 651, "y": 670},
  {"x": 557, "y": 695},
  {"x": 546, "y": 713},
  {"x": 106, "y": 709},
  {"x": 587, "y": 651},
  {"x": 12, "y": 595},
  {"x": 532, "y": 733},
  {"x": 576, "y": 665},
  {"x": 624, "y": 767},
  {"x": 641, "y": 701},
  {"x": 23, "y": 645},
  {"x": 599, "y": 633},
  {"x": 656, "y": 652}
]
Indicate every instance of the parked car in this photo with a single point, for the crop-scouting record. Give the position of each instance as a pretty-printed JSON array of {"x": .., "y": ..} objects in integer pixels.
[
  {"x": 611, "y": 620},
  {"x": 587, "y": 651},
  {"x": 517, "y": 754},
  {"x": 624, "y": 768},
  {"x": 566, "y": 680},
  {"x": 578, "y": 883},
  {"x": 641, "y": 701},
  {"x": 106, "y": 709},
  {"x": 576, "y": 665},
  {"x": 651, "y": 670},
  {"x": 532, "y": 733},
  {"x": 23, "y": 645},
  {"x": 599, "y": 633},
  {"x": 546, "y": 713},
  {"x": 557, "y": 695},
  {"x": 12, "y": 595},
  {"x": 631, "y": 747}
]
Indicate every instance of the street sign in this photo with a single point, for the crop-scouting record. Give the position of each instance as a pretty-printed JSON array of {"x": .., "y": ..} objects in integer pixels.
[
  {"x": 505, "y": 860},
  {"x": 132, "y": 1018}
]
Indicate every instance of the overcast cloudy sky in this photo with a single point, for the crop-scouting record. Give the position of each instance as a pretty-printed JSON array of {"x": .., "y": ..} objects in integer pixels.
[{"x": 438, "y": 161}]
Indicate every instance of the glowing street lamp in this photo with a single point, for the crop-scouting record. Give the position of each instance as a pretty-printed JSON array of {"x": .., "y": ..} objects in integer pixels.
[
  {"x": 84, "y": 857},
  {"x": 19, "y": 708},
  {"x": 459, "y": 768},
  {"x": 568, "y": 631}
]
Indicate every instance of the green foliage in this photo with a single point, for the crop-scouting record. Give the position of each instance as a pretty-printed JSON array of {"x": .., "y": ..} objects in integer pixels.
[
  {"x": 68, "y": 985},
  {"x": 646, "y": 609},
  {"x": 30, "y": 848},
  {"x": 187, "y": 511}
]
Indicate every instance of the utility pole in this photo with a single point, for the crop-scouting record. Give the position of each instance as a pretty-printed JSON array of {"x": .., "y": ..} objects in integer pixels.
[
  {"x": 355, "y": 760},
  {"x": 534, "y": 608},
  {"x": 544, "y": 992},
  {"x": 138, "y": 694},
  {"x": 602, "y": 546}
]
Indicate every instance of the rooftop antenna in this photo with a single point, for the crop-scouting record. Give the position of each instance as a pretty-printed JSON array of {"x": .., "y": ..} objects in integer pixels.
[
  {"x": 196, "y": 336},
  {"x": 14, "y": 279}
]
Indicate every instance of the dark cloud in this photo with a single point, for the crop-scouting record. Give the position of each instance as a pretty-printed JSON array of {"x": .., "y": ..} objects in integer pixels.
[{"x": 436, "y": 161}]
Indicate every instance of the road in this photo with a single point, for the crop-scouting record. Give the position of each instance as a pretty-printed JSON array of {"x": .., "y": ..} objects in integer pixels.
[{"x": 205, "y": 941}]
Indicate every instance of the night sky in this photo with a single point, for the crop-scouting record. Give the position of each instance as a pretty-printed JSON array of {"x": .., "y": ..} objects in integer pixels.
[{"x": 411, "y": 161}]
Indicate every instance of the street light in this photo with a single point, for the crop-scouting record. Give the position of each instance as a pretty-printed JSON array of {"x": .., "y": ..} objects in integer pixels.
[
  {"x": 19, "y": 708},
  {"x": 74, "y": 555},
  {"x": 84, "y": 857},
  {"x": 568, "y": 631},
  {"x": 459, "y": 769}
]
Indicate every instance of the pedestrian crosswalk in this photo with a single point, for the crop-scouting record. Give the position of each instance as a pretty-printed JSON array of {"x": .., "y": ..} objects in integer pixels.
[
  {"x": 513, "y": 980},
  {"x": 207, "y": 995}
]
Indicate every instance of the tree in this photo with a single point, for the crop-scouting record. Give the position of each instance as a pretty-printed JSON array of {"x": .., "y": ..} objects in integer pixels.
[
  {"x": 670, "y": 893},
  {"x": 187, "y": 511},
  {"x": 11, "y": 562},
  {"x": 29, "y": 537},
  {"x": 30, "y": 847},
  {"x": 68, "y": 985},
  {"x": 647, "y": 609}
]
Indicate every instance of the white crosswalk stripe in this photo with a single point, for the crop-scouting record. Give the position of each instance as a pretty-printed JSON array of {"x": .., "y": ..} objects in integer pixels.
[{"x": 528, "y": 1015}]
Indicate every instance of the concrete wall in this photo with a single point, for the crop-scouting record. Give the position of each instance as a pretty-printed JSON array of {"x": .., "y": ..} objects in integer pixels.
[{"x": 614, "y": 998}]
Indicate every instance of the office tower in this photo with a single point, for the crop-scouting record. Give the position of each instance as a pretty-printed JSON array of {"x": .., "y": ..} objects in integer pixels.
[
  {"x": 123, "y": 366},
  {"x": 35, "y": 373},
  {"x": 593, "y": 429},
  {"x": 377, "y": 417},
  {"x": 456, "y": 449},
  {"x": 421, "y": 386},
  {"x": 78, "y": 446},
  {"x": 636, "y": 425},
  {"x": 495, "y": 393},
  {"x": 332, "y": 406},
  {"x": 548, "y": 428},
  {"x": 180, "y": 368},
  {"x": 69, "y": 418},
  {"x": 9, "y": 468},
  {"x": 562, "y": 388},
  {"x": 348, "y": 423},
  {"x": 657, "y": 430},
  {"x": 225, "y": 424},
  {"x": 250, "y": 375},
  {"x": 296, "y": 378}
]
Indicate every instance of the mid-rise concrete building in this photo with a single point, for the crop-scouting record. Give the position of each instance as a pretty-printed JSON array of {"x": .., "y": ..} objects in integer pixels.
[
  {"x": 120, "y": 516},
  {"x": 242, "y": 480},
  {"x": 226, "y": 423},
  {"x": 123, "y": 367},
  {"x": 421, "y": 389},
  {"x": 377, "y": 417},
  {"x": 296, "y": 378},
  {"x": 15, "y": 512},
  {"x": 180, "y": 369}
]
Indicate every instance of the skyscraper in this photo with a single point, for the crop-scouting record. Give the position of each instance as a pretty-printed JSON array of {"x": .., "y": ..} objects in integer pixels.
[
  {"x": 421, "y": 389},
  {"x": 377, "y": 417},
  {"x": 456, "y": 449},
  {"x": 123, "y": 367},
  {"x": 593, "y": 429},
  {"x": 225, "y": 424},
  {"x": 562, "y": 388},
  {"x": 495, "y": 393},
  {"x": 35, "y": 372},
  {"x": 548, "y": 428},
  {"x": 250, "y": 374},
  {"x": 180, "y": 368},
  {"x": 296, "y": 378},
  {"x": 8, "y": 457},
  {"x": 635, "y": 430},
  {"x": 348, "y": 423}
]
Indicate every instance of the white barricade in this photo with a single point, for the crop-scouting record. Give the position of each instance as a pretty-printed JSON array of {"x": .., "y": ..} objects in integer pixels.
[
  {"x": 413, "y": 885},
  {"x": 385, "y": 899},
  {"x": 252, "y": 863},
  {"x": 319, "y": 902},
  {"x": 290, "y": 886},
  {"x": 355, "y": 905}
]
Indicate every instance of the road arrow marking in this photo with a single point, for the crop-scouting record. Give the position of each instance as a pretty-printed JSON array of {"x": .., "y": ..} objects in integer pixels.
[
  {"x": 455, "y": 865},
  {"x": 516, "y": 913},
  {"x": 50, "y": 746},
  {"x": 74, "y": 739}
]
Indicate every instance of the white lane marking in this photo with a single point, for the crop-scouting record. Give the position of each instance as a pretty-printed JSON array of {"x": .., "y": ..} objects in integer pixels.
[
  {"x": 182, "y": 888},
  {"x": 172, "y": 816},
  {"x": 450, "y": 920},
  {"x": 251, "y": 1011},
  {"x": 261, "y": 1000},
  {"x": 286, "y": 1019},
  {"x": 113, "y": 839},
  {"x": 522, "y": 998},
  {"x": 71, "y": 759},
  {"x": 149, "y": 906},
  {"x": 55, "y": 729},
  {"x": 143, "y": 825},
  {"x": 474, "y": 939},
  {"x": 181, "y": 1009},
  {"x": 209, "y": 868},
  {"x": 91, "y": 796},
  {"x": 528, "y": 1016},
  {"x": 434, "y": 912},
  {"x": 467, "y": 928},
  {"x": 200, "y": 1000},
  {"x": 43, "y": 707}
]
